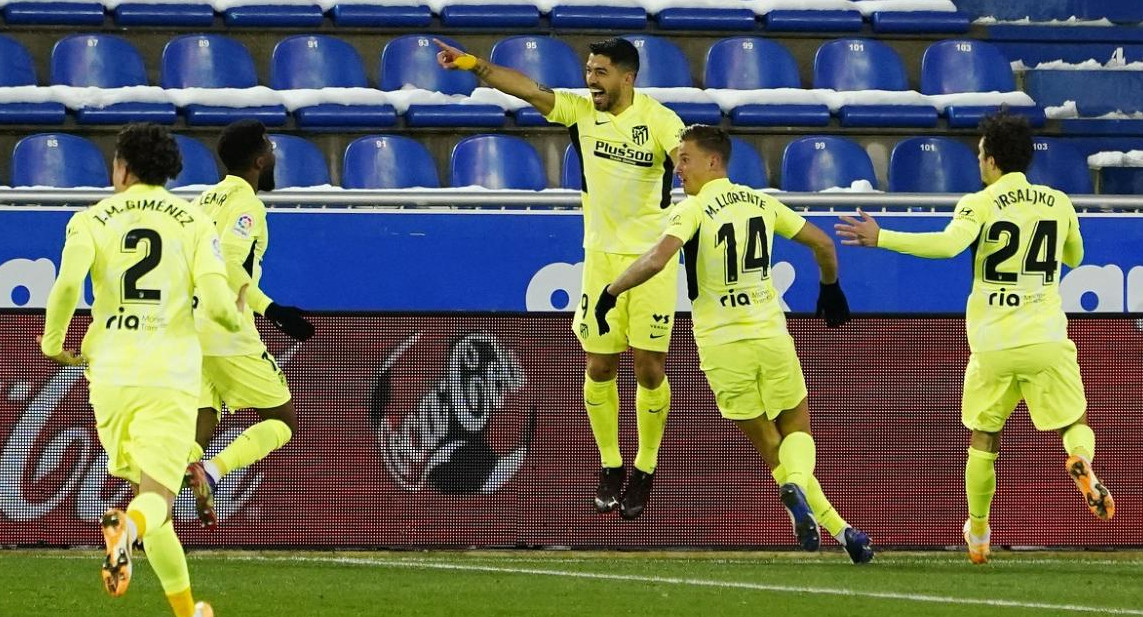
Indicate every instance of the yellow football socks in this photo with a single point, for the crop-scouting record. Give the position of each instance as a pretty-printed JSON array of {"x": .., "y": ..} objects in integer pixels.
[
  {"x": 1079, "y": 440},
  {"x": 797, "y": 455},
  {"x": 164, "y": 551},
  {"x": 601, "y": 399},
  {"x": 253, "y": 445},
  {"x": 824, "y": 511},
  {"x": 979, "y": 487},
  {"x": 651, "y": 409}
]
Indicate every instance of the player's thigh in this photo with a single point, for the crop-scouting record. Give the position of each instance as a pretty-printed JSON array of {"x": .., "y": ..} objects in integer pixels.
[
  {"x": 162, "y": 433},
  {"x": 1054, "y": 392},
  {"x": 114, "y": 409},
  {"x": 781, "y": 383},
  {"x": 253, "y": 381},
  {"x": 600, "y": 269},
  {"x": 732, "y": 370},
  {"x": 651, "y": 310},
  {"x": 990, "y": 392}
]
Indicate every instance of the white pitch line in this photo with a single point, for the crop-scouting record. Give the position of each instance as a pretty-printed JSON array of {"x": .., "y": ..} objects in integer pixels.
[{"x": 832, "y": 591}]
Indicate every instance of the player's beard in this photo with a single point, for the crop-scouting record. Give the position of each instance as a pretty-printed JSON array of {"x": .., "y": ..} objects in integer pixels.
[
  {"x": 606, "y": 101},
  {"x": 266, "y": 178}
]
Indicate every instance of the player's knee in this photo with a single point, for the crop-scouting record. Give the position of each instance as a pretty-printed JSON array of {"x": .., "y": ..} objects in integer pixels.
[
  {"x": 649, "y": 372},
  {"x": 602, "y": 369}
]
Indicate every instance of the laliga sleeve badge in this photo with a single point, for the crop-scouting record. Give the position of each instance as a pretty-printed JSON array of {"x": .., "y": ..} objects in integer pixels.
[
  {"x": 243, "y": 226},
  {"x": 216, "y": 246}
]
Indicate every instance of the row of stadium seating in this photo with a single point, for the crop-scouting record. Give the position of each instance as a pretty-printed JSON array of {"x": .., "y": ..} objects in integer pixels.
[
  {"x": 315, "y": 62},
  {"x": 920, "y": 164},
  {"x": 738, "y": 16}
]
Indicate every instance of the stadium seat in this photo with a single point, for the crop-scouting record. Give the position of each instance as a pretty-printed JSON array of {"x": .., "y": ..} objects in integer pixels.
[
  {"x": 54, "y": 13},
  {"x": 794, "y": 20},
  {"x": 316, "y": 61},
  {"x": 572, "y": 175},
  {"x": 964, "y": 65},
  {"x": 663, "y": 65},
  {"x": 547, "y": 60},
  {"x": 1061, "y": 166},
  {"x": 708, "y": 19},
  {"x": 198, "y": 164},
  {"x": 58, "y": 160},
  {"x": 817, "y": 163},
  {"x": 598, "y": 16},
  {"x": 214, "y": 61},
  {"x": 497, "y": 162},
  {"x": 378, "y": 16},
  {"x": 752, "y": 63},
  {"x": 274, "y": 15},
  {"x": 388, "y": 162},
  {"x": 933, "y": 165},
  {"x": 412, "y": 61},
  {"x": 857, "y": 65},
  {"x": 914, "y": 22},
  {"x": 150, "y": 14},
  {"x": 490, "y": 15},
  {"x": 1095, "y": 92},
  {"x": 297, "y": 163},
  {"x": 17, "y": 69},
  {"x": 106, "y": 61}
]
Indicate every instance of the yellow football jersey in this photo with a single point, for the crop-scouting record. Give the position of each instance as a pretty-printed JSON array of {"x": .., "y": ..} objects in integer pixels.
[
  {"x": 732, "y": 229},
  {"x": 146, "y": 249},
  {"x": 1019, "y": 233},
  {"x": 626, "y": 169},
  {"x": 240, "y": 220}
]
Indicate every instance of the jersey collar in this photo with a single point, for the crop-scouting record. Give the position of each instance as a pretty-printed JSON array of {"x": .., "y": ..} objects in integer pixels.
[
  {"x": 237, "y": 183},
  {"x": 1012, "y": 177},
  {"x": 717, "y": 185},
  {"x": 139, "y": 187}
]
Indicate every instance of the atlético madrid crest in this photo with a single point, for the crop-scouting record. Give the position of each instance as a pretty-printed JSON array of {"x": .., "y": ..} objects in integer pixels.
[{"x": 639, "y": 134}]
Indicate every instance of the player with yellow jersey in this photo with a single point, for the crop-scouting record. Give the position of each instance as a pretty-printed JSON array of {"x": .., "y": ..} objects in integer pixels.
[
  {"x": 625, "y": 141},
  {"x": 727, "y": 233},
  {"x": 148, "y": 253},
  {"x": 237, "y": 368},
  {"x": 1017, "y": 329}
]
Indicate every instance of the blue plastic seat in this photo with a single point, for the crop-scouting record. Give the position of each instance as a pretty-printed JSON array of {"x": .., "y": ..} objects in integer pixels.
[
  {"x": 599, "y": 16},
  {"x": 412, "y": 60},
  {"x": 215, "y": 61},
  {"x": 571, "y": 177},
  {"x": 297, "y": 162},
  {"x": 198, "y": 164},
  {"x": 377, "y": 16},
  {"x": 17, "y": 69},
  {"x": 546, "y": 60},
  {"x": 316, "y": 61},
  {"x": 795, "y": 20},
  {"x": 716, "y": 19},
  {"x": 106, "y": 61},
  {"x": 913, "y": 22},
  {"x": 54, "y": 13},
  {"x": 849, "y": 65},
  {"x": 388, "y": 162},
  {"x": 274, "y": 16},
  {"x": 1061, "y": 166},
  {"x": 817, "y": 163},
  {"x": 150, "y": 14},
  {"x": 490, "y": 15},
  {"x": 663, "y": 65},
  {"x": 933, "y": 165},
  {"x": 58, "y": 160},
  {"x": 497, "y": 162},
  {"x": 753, "y": 63},
  {"x": 965, "y": 65}
]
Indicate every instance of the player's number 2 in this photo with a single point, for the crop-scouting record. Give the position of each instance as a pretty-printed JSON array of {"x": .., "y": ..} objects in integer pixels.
[
  {"x": 1040, "y": 258},
  {"x": 132, "y": 293},
  {"x": 757, "y": 255}
]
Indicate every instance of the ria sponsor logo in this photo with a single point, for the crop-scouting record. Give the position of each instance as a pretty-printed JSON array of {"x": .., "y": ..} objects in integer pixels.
[{"x": 1003, "y": 298}]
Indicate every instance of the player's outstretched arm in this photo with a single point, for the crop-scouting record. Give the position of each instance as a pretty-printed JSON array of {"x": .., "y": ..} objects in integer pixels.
[
  {"x": 950, "y": 242},
  {"x": 78, "y": 255},
  {"x": 218, "y": 301},
  {"x": 832, "y": 304},
  {"x": 504, "y": 79},
  {"x": 648, "y": 265}
]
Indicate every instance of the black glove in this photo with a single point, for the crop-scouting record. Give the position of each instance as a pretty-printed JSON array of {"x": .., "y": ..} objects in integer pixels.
[
  {"x": 289, "y": 320},
  {"x": 832, "y": 304},
  {"x": 605, "y": 303}
]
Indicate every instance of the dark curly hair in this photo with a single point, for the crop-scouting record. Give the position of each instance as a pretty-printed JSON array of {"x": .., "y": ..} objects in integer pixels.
[
  {"x": 150, "y": 152},
  {"x": 621, "y": 52},
  {"x": 1008, "y": 140},
  {"x": 240, "y": 144},
  {"x": 710, "y": 139}
]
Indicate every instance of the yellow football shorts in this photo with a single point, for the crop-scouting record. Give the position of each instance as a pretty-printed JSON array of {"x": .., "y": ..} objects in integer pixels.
[
  {"x": 643, "y": 316},
  {"x": 1045, "y": 375},
  {"x": 145, "y": 431},
  {"x": 242, "y": 382},
  {"x": 754, "y": 377}
]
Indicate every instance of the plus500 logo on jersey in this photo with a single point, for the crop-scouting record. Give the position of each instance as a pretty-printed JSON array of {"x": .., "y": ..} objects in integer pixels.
[{"x": 623, "y": 154}]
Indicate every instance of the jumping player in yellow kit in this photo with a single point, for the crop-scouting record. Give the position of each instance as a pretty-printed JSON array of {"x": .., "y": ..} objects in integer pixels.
[
  {"x": 237, "y": 368},
  {"x": 148, "y": 253},
  {"x": 625, "y": 141},
  {"x": 1017, "y": 329},
  {"x": 727, "y": 233}
]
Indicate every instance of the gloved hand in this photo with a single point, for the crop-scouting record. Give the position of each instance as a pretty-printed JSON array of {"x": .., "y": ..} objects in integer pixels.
[
  {"x": 832, "y": 304},
  {"x": 605, "y": 303},
  {"x": 289, "y": 320}
]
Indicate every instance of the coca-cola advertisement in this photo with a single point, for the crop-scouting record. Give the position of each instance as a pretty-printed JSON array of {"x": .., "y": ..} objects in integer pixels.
[{"x": 469, "y": 430}]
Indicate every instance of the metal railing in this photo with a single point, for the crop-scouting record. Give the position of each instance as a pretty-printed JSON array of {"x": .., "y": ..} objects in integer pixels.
[{"x": 547, "y": 199}]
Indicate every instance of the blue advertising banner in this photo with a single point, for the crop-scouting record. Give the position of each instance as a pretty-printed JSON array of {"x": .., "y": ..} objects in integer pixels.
[{"x": 419, "y": 260}]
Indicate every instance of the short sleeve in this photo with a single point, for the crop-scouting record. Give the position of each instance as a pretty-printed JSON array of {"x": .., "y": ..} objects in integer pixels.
[
  {"x": 787, "y": 223},
  {"x": 684, "y": 220},
  {"x": 208, "y": 251},
  {"x": 668, "y": 129},
  {"x": 569, "y": 108}
]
